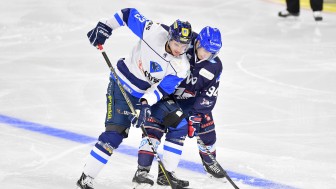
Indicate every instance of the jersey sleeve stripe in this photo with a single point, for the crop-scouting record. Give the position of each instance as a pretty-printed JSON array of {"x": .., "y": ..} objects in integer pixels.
[
  {"x": 143, "y": 85},
  {"x": 163, "y": 92},
  {"x": 127, "y": 87},
  {"x": 169, "y": 83},
  {"x": 119, "y": 20}
]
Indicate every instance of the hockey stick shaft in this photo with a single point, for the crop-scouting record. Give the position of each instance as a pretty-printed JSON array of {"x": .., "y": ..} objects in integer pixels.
[
  {"x": 130, "y": 105},
  {"x": 199, "y": 140}
]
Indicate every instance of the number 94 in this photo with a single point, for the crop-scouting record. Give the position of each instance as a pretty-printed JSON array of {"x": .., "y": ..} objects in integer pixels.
[{"x": 212, "y": 91}]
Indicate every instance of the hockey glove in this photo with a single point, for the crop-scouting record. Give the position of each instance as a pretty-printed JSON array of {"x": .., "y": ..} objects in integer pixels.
[
  {"x": 144, "y": 113},
  {"x": 99, "y": 34},
  {"x": 194, "y": 125}
]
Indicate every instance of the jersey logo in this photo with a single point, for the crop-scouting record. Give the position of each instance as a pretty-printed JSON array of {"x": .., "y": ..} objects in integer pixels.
[
  {"x": 149, "y": 25},
  {"x": 155, "y": 67},
  {"x": 206, "y": 103},
  {"x": 151, "y": 78},
  {"x": 191, "y": 79}
]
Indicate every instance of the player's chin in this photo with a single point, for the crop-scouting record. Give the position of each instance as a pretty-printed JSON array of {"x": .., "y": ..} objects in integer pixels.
[{"x": 176, "y": 54}]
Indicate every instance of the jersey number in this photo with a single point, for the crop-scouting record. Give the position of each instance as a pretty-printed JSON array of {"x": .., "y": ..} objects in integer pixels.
[
  {"x": 140, "y": 17},
  {"x": 212, "y": 91}
]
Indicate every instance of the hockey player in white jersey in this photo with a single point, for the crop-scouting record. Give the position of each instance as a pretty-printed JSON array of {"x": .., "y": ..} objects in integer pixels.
[
  {"x": 196, "y": 96},
  {"x": 156, "y": 65}
]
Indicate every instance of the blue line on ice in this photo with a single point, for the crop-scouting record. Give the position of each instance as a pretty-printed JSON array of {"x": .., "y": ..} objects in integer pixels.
[{"x": 129, "y": 150}]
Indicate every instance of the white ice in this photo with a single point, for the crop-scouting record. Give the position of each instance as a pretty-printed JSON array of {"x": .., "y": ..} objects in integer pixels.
[{"x": 276, "y": 110}]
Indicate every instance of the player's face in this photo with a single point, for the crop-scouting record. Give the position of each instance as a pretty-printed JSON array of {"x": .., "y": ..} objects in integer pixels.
[
  {"x": 202, "y": 54},
  {"x": 177, "y": 48}
]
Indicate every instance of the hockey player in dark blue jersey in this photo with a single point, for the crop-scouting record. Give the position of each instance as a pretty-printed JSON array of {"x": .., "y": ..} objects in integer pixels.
[
  {"x": 197, "y": 96},
  {"x": 154, "y": 69}
]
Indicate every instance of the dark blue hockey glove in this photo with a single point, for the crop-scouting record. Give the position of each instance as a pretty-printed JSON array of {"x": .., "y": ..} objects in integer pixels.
[
  {"x": 99, "y": 34},
  {"x": 194, "y": 125},
  {"x": 145, "y": 112}
]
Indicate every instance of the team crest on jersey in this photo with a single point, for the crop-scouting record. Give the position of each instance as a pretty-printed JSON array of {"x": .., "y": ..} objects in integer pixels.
[
  {"x": 155, "y": 67},
  {"x": 206, "y": 103},
  {"x": 149, "y": 25}
]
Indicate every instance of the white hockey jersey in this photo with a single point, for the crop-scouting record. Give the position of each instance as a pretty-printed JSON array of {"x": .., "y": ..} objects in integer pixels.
[{"x": 149, "y": 72}]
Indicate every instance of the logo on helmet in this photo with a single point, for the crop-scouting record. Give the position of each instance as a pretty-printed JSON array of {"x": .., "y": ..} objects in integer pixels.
[
  {"x": 185, "y": 32},
  {"x": 216, "y": 44},
  {"x": 180, "y": 32}
]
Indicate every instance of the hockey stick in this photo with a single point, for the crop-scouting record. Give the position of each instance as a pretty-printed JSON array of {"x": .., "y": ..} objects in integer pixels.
[
  {"x": 130, "y": 105},
  {"x": 199, "y": 140}
]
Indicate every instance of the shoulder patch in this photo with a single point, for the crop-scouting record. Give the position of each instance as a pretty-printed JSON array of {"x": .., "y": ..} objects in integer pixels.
[
  {"x": 149, "y": 25},
  {"x": 205, "y": 73}
]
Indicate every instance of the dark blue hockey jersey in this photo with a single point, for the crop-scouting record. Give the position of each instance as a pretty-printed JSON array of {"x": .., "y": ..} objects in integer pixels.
[{"x": 197, "y": 94}]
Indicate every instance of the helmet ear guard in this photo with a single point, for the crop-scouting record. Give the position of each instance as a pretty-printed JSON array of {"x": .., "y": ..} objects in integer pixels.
[{"x": 210, "y": 39}]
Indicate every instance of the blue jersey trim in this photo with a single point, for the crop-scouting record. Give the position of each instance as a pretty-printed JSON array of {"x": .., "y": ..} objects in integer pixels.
[
  {"x": 169, "y": 83},
  {"x": 143, "y": 85},
  {"x": 135, "y": 22},
  {"x": 117, "y": 17},
  {"x": 123, "y": 83},
  {"x": 98, "y": 157},
  {"x": 173, "y": 150},
  {"x": 164, "y": 93},
  {"x": 182, "y": 124},
  {"x": 125, "y": 13}
]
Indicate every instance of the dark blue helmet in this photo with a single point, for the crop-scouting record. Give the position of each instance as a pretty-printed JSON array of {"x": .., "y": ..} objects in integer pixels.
[
  {"x": 181, "y": 32},
  {"x": 210, "y": 39}
]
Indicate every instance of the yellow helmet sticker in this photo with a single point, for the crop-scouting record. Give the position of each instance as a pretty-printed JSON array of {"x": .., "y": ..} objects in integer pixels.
[{"x": 185, "y": 32}]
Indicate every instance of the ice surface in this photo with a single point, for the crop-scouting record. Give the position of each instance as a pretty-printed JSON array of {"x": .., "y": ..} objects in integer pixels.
[{"x": 275, "y": 116}]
